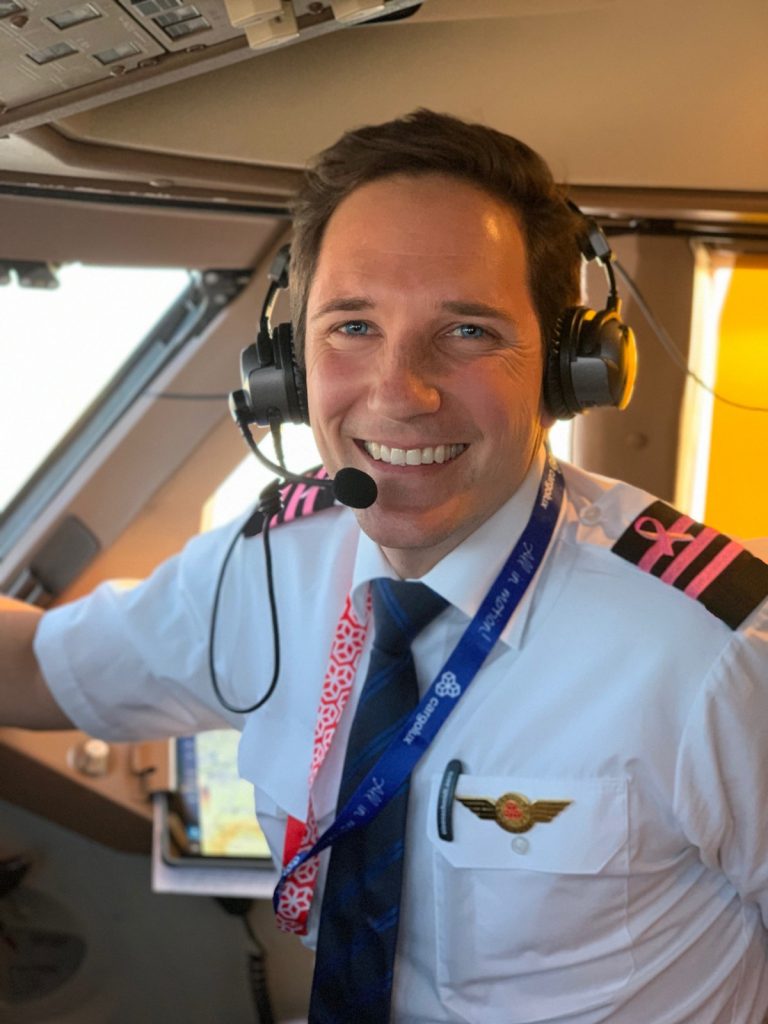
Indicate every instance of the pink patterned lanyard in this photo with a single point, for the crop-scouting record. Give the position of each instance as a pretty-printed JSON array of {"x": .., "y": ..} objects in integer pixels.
[{"x": 347, "y": 646}]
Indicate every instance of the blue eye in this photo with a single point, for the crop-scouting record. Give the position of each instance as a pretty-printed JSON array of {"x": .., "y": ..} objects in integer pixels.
[
  {"x": 354, "y": 328},
  {"x": 469, "y": 331}
]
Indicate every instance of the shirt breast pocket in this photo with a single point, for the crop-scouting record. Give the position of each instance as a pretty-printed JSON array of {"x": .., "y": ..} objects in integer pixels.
[{"x": 531, "y": 896}]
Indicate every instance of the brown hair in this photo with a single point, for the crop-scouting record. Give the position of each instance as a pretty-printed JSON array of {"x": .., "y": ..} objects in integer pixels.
[{"x": 425, "y": 142}]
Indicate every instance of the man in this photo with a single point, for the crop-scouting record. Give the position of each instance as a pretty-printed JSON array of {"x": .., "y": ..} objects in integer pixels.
[{"x": 586, "y": 836}]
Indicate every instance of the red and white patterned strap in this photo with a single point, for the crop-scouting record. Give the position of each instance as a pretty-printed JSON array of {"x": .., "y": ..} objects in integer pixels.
[{"x": 346, "y": 648}]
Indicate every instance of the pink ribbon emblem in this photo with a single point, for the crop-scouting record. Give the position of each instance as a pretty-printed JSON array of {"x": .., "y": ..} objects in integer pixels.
[
  {"x": 695, "y": 545},
  {"x": 662, "y": 537}
]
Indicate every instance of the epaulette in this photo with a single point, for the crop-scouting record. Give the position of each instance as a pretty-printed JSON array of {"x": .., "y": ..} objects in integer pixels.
[
  {"x": 297, "y": 501},
  {"x": 706, "y": 565}
]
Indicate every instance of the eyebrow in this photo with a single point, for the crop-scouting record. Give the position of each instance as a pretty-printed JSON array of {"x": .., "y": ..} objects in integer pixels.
[
  {"x": 348, "y": 304},
  {"x": 459, "y": 307},
  {"x": 463, "y": 307}
]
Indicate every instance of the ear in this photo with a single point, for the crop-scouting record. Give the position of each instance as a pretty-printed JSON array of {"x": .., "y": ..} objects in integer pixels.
[{"x": 546, "y": 418}]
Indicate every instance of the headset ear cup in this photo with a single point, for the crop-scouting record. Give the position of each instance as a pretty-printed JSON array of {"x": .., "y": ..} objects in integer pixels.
[
  {"x": 300, "y": 387},
  {"x": 294, "y": 407},
  {"x": 272, "y": 382},
  {"x": 603, "y": 364},
  {"x": 559, "y": 396},
  {"x": 591, "y": 362},
  {"x": 619, "y": 349}
]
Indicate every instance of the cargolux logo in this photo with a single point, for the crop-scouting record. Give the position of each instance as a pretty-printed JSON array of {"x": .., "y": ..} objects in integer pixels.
[
  {"x": 549, "y": 488},
  {"x": 447, "y": 686}
]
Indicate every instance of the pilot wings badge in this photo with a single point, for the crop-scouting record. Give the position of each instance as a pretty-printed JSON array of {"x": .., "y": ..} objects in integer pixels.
[{"x": 513, "y": 811}]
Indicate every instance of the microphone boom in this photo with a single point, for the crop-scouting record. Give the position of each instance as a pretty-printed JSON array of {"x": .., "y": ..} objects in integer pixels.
[{"x": 352, "y": 487}]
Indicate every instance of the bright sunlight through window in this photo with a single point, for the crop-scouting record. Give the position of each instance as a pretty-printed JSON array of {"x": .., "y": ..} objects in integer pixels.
[{"x": 60, "y": 348}]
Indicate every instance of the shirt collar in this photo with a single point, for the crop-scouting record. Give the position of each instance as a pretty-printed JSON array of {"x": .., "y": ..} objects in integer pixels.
[{"x": 465, "y": 575}]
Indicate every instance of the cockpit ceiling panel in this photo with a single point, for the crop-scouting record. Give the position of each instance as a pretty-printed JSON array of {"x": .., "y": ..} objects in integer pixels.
[
  {"x": 49, "y": 47},
  {"x": 58, "y": 56},
  {"x": 466, "y": 10}
]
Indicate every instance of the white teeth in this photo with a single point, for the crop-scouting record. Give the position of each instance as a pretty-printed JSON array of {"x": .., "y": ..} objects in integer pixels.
[{"x": 413, "y": 456}]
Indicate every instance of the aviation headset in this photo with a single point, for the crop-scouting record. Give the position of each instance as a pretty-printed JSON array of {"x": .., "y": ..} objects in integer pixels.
[{"x": 591, "y": 361}]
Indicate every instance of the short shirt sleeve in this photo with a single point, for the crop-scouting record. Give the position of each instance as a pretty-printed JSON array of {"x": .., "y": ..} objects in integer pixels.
[
  {"x": 130, "y": 661},
  {"x": 721, "y": 786}
]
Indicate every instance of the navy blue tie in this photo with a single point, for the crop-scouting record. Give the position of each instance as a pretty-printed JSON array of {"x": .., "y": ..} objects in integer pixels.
[{"x": 358, "y": 924}]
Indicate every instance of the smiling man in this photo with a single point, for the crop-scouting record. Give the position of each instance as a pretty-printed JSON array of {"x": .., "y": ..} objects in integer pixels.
[
  {"x": 514, "y": 765},
  {"x": 424, "y": 359}
]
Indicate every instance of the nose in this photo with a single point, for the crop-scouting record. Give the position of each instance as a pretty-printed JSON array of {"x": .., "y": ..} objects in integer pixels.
[{"x": 404, "y": 381}]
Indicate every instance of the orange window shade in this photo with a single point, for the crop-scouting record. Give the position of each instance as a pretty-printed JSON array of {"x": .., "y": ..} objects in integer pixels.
[{"x": 737, "y": 493}]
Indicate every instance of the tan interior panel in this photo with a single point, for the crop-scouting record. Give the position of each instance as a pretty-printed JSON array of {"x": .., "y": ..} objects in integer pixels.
[
  {"x": 536, "y": 77},
  {"x": 57, "y": 231},
  {"x": 49, "y": 150}
]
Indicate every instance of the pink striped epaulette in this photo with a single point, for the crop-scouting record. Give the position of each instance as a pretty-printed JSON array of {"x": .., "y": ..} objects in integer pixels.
[
  {"x": 298, "y": 500},
  {"x": 706, "y": 565}
]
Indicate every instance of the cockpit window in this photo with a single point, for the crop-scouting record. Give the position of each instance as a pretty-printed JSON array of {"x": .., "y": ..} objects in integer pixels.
[
  {"x": 67, "y": 332},
  {"x": 79, "y": 345}
]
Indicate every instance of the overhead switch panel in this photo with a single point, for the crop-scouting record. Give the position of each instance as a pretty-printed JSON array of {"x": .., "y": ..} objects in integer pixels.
[{"x": 59, "y": 57}]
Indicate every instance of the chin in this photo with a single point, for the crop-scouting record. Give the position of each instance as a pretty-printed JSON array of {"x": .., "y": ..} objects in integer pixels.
[{"x": 409, "y": 530}]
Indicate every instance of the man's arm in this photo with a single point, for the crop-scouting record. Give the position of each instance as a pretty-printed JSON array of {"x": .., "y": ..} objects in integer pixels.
[{"x": 25, "y": 699}]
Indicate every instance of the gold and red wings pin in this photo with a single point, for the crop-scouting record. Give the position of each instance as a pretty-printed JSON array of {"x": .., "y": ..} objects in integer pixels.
[{"x": 513, "y": 811}]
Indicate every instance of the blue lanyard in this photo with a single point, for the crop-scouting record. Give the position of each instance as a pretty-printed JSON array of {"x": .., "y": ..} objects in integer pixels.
[{"x": 505, "y": 594}]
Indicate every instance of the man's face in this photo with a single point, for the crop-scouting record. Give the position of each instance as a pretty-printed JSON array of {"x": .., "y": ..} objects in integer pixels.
[{"x": 424, "y": 361}]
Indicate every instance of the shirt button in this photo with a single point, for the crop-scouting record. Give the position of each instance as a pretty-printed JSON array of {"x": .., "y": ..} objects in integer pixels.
[
  {"x": 591, "y": 515},
  {"x": 520, "y": 844}
]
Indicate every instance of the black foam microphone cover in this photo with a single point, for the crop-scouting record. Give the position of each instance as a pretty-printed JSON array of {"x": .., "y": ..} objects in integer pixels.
[{"x": 354, "y": 488}]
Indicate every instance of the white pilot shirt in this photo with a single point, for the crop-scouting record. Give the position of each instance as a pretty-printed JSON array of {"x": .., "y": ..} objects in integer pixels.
[{"x": 644, "y": 900}]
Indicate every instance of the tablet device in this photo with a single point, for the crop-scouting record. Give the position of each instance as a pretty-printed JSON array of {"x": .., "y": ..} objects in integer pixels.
[{"x": 210, "y": 817}]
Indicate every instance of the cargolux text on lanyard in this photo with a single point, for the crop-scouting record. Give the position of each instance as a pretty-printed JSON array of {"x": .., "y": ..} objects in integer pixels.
[{"x": 293, "y": 895}]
